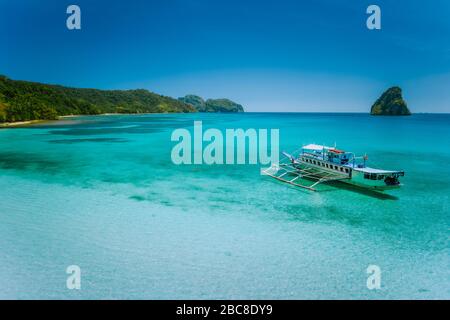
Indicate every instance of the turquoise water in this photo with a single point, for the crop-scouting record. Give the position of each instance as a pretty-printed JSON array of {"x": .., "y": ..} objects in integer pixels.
[{"x": 102, "y": 193}]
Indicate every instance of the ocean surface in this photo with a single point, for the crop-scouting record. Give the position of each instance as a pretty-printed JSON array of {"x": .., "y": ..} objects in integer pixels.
[{"x": 102, "y": 193}]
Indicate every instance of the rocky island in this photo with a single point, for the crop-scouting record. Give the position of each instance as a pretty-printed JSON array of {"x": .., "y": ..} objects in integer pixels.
[
  {"x": 390, "y": 103},
  {"x": 211, "y": 105}
]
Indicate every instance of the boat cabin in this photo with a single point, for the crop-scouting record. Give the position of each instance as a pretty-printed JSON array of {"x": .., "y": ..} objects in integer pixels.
[
  {"x": 328, "y": 154},
  {"x": 332, "y": 159}
]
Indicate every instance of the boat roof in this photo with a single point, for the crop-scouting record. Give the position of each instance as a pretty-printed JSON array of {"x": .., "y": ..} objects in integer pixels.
[
  {"x": 373, "y": 170},
  {"x": 317, "y": 147}
]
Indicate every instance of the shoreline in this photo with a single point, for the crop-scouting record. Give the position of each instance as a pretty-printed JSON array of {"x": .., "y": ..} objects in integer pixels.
[
  {"x": 5, "y": 125},
  {"x": 117, "y": 114}
]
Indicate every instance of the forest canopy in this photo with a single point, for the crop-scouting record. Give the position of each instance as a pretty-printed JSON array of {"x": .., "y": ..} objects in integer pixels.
[{"x": 24, "y": 101}]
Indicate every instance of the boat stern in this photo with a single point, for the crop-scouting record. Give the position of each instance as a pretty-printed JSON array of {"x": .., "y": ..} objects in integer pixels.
[{"x": 377, "y": 179}]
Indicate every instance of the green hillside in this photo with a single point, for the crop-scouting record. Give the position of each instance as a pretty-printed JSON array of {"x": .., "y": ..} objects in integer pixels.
[
  {"x": 23, "y": 101},
  {"x": 211, "y": 105}
]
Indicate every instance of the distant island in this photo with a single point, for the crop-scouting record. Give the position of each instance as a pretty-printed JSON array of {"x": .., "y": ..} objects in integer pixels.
[
  {"x": 27, "y": 101},
  {"x": 390, "y": 103},
  {"x": 211, "y": 105}
]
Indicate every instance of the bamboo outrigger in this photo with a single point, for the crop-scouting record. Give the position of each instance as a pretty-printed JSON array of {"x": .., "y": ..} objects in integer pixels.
[{"x": 324, "y": 164}]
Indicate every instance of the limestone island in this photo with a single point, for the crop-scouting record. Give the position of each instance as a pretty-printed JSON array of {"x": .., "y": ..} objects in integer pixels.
[
  {"x": 390, "y": 103},
  {"x": 211, "y": 105}
]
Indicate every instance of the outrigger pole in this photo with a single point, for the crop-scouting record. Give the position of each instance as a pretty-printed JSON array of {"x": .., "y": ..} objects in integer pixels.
[
  {"x": 284, "y": 173},
  {"x": 283, "y": 170}
]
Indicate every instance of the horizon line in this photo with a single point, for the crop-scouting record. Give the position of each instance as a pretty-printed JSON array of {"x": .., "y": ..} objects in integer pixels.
[{"x": 163, "y": 95}]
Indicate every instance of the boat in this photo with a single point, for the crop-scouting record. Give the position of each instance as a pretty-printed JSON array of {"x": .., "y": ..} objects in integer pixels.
[{"x": 324, "y": 164}]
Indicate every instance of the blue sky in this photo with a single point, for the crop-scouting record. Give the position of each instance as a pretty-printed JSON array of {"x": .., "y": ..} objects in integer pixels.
[{"x": 268, "y": 55}]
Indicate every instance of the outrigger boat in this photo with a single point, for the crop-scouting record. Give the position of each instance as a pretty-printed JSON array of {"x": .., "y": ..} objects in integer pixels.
[{"x": 325, "y": 164}]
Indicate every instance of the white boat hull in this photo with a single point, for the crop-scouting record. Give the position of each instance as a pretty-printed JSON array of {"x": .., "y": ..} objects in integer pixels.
[{"x": 355, "y": 178}]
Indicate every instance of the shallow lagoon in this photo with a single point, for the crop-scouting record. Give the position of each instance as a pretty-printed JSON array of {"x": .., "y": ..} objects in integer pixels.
[{"x": 102, "y": 193}]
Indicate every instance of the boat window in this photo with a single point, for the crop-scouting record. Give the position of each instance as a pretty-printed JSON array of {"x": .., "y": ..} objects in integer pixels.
[
  {"x": 346, "y": 170},
  {"x": 342, "y": 169},
  {"x": 335, "y": 167}
]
